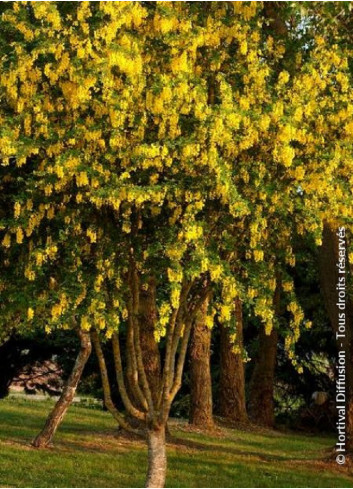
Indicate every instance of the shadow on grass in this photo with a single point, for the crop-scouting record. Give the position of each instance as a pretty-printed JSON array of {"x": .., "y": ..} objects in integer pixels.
[
  {"x": 214, "y": 447},
  {"x": 89, "y": 452}
]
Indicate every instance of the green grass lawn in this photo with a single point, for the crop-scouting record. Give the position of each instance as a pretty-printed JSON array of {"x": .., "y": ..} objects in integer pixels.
[{"x": 89, "y": 452}]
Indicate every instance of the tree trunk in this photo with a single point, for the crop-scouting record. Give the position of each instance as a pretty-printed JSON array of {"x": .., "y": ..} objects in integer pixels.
[
  {"x": 232, "y": 404},
  {"x": 200, "y": 372},
  {"x": 108, "y": 402},
  {"x": 328, "y": 259},
  {"x": 157, "y": 459},
  {"x": 150, "y": 351},
  {"x": 56, "y": 416},
  {"x": 261, "y": 402}
]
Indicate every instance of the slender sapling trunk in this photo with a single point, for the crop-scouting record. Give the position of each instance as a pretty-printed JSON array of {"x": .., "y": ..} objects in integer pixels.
[{"x": 54, "y": 419}]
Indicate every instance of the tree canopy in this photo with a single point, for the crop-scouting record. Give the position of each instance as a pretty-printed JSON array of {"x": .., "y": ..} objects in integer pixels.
[{"x": 165, "y": 143}]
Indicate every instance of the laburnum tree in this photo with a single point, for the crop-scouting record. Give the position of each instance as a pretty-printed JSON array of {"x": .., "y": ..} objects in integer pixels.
[{"x": 159, "y": 162}]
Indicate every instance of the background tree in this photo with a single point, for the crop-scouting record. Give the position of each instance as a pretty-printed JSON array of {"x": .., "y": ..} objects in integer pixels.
[
  {"x": 232, "y": 402},
  {"x": 201, "y": 404}
]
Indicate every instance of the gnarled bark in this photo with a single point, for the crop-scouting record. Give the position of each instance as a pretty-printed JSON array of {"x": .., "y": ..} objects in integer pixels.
[
  {"x": 54, "y": 419},
  {"x": 157, "y": 459},
  {"x": 232, "y": 404},
  {"x": 200, "y": 372}
]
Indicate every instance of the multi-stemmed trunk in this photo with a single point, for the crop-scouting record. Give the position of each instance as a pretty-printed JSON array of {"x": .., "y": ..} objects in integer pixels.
[
  {"x": 54, "y": 419},
  {"x": 200, "y": 372},
  {"x": 151, "y": 363},
  {"x": 155, "y": 405},
  {"x": 328, "y": 260},
  {"x": 232, "y": 403},
  {"x": 147, "y": 391}
]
